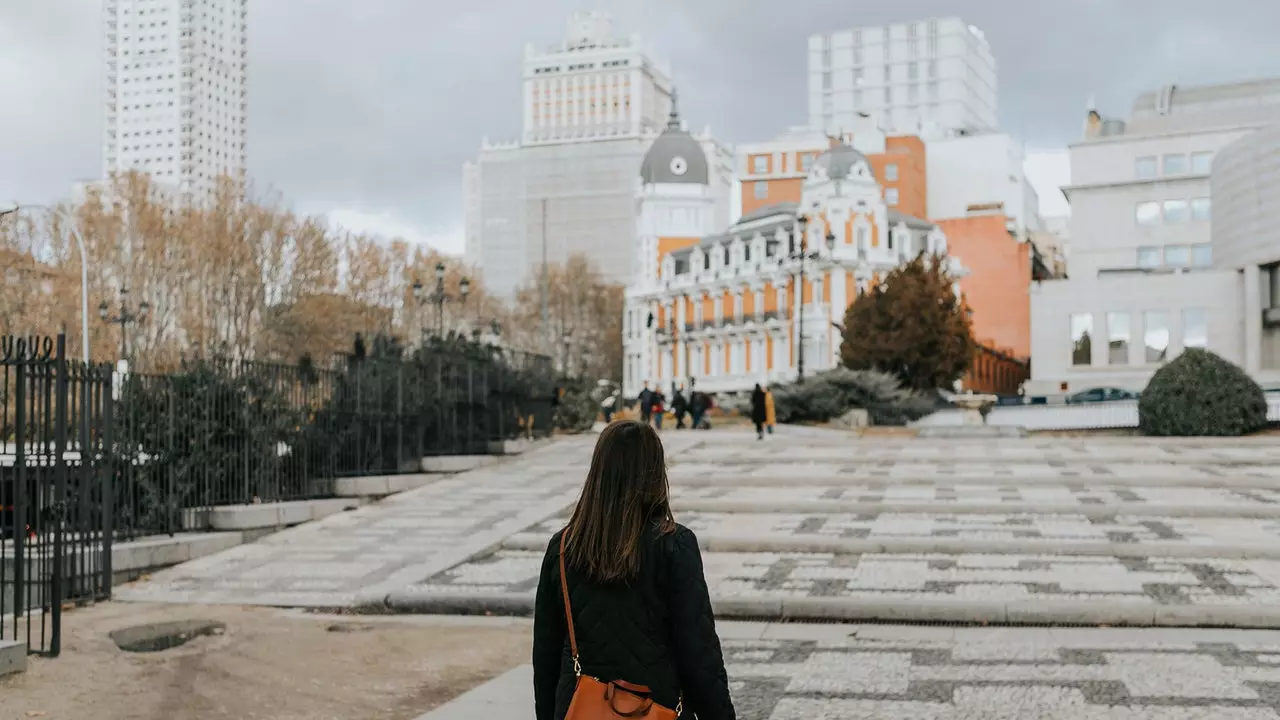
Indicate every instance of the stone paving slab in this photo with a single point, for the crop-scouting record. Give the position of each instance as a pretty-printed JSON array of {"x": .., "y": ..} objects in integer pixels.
[
  {"x": 797, "y": 671},
  {"x": 896, "y": 471},
  {"x": 1097, "y": 582},
  {"x": 741, "y": 450},
  {"x": 1010, "y": 492},
  {"x": 991, "y": 527}
]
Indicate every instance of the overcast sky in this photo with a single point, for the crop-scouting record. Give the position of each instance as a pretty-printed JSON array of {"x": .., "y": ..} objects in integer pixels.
[{"x": 365, "y": 110}]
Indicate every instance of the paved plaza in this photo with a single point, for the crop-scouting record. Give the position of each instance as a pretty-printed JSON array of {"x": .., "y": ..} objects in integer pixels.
[{"x": 818, "y": 525}]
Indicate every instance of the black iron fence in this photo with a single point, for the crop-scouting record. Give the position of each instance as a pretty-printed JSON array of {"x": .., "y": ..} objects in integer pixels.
[
  {"x": 222, "y": 432},
  {"x": 55, "y": 531},
  {"x": 89, "y": 457}
]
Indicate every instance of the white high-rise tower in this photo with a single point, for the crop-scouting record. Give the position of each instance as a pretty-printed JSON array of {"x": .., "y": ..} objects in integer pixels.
[{"x": 176, "y": 91}]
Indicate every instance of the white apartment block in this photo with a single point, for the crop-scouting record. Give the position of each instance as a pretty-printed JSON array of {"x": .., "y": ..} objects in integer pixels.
[
  {"x": 981, "y": 169},
  {"x": 929, "y": 78},
  {"x": 176, "y": 90},
  {"x": 592, "y": 105},
  {"x": 1154, "y": 268},
  {"x": 593, "y": 86}
]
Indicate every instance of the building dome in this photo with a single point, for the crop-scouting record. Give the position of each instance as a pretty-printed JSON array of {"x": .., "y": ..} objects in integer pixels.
[
  {"x": 675, "y": 156},
  {"x": 842, "y": 161}
]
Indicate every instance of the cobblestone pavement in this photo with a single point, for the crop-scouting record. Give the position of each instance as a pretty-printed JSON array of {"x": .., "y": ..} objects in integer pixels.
[
  {"x": 991, "y": 527},
  {"x": 923, "y": 680},
  {"x": 334, "y": 562},
  {"x": 802, "y": 672}
]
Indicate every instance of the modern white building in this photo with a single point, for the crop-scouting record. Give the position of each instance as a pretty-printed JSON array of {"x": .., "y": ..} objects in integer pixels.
[
  {"x": 723, "y": 309},
  {"x": 929, "y": 78},
  {"x": 1147, "y": 276},
  {"x": 176, "y": 98},
  {"x": 1245, "y": 182},
  {"x": 981, "y": 169},
  {"x": 592, "y": 105}
]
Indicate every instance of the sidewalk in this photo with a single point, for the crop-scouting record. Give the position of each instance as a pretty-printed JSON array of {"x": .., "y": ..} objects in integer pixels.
[{"x": 506, "y": 697}]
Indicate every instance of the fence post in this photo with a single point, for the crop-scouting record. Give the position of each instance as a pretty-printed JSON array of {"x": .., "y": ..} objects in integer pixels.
[
  {"x": 20, "y": 491},
  {"x": 60, "y": 490},
  {"x": 106, "y": 471}
]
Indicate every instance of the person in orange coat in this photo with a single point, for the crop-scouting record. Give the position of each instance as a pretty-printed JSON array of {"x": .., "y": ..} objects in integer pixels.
[{"x": 770, "y": 415}]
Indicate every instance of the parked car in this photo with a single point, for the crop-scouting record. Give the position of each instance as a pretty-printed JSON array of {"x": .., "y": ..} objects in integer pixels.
[{"x": 1101, "y": 395}]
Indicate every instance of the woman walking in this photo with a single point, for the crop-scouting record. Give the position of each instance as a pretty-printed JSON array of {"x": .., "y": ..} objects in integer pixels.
[
  {"x": 759, "y": 414},
  {"x": 622, "y": 623}
]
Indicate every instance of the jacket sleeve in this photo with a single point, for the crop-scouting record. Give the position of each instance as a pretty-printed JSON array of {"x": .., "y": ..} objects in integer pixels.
[
  {"x": 549, "y": 633},
  {"x": 693, "y": 634}
]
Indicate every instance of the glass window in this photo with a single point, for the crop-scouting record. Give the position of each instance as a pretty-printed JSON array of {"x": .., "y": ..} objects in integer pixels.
[
  {"x": 1175, "y": 211},
  {"x": 1177, "y": 256},
  {"x": 891, "y": 197},
  {"x": 1155, "y": 335},
  {"x": 1201, "y": 209},
  {"x": 1148, "y": 213},
  {"x": 888, "y": 71},
  {"x": 806, "y": 161},
  {"x": 1145, "y": 167},
  {"x": 1117, "y": 338},
  {"x": 1149, "y": 257},
  {"x": 1201, "y": 162},
  {"x": 1195, "y": 327},
  {"x": 891, "y": 172},
  {"x": 913, "y": 71},
  {"x": 760, "y": 164},
  {"x": 933, "y": 68},
  {"x": 1081, "y": 339},
  {"x": 761, "y": 190},
  {"x": 888, "y": 95},
  {"x": 1202, "y": 255},
  {"x": 1175, "y": 164}
]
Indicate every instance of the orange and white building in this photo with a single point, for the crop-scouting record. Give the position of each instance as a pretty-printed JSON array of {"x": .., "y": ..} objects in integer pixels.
[{"x": 720, "y": 308}]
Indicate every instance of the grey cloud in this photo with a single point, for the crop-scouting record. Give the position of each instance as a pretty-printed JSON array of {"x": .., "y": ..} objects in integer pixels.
[{"x": 373, "y": 106}]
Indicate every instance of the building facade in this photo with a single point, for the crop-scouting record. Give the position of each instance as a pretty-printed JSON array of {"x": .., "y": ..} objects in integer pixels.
[
  {"x": 1245, "y": 185},
  {"x": 176, "y": 90},
  {"x": 592, "y": 106},
  {"x": 775, "y": 171},
  {"x": 982, "y": 170},
  {"x": 723, "y": 309},
  {"x": 931, "y": 78},
  {"x": 1146, "y": 279}
]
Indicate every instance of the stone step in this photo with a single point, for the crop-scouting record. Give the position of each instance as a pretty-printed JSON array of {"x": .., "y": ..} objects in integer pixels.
[
  {"x": 379, "y": 486},
  {"x": 416, "y": 600},
  {"x": 952, "y": 546},
  {"x": 13, "y": 655},
  {"x": 265, "y": 516},
  {"x": 771, "y": 476},
  {"x": 1100, "y": 510}
]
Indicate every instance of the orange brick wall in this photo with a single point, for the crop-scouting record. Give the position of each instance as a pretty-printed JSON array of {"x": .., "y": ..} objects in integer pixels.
[
  {"x": 780, "y": 190},
  {"x": 998, "y": 287}
]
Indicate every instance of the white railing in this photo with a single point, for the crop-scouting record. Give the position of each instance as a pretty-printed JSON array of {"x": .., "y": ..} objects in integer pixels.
[{"x": 1084, "y": 416}]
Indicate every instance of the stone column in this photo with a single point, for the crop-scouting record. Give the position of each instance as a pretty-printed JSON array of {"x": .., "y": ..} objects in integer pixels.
[{"x": 1252, "y": 309}]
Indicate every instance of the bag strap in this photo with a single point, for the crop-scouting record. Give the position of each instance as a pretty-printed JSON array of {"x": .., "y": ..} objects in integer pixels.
[{"x": 568, "y": 610}]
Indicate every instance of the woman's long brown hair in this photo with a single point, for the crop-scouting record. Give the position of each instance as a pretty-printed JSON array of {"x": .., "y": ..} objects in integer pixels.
[{"x": 626, "y": 490}]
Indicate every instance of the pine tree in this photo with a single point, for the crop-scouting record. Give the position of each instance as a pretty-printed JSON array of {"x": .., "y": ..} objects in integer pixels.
[{"x": 911, "y": 325}]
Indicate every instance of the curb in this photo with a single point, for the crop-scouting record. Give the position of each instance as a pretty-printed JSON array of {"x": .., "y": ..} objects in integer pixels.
[
  {"x": 906, "y": 609},
  {"x": 953, "y": 546},
  {"x": 831, "y": 507},
  {"x": 796, "y": 476}
]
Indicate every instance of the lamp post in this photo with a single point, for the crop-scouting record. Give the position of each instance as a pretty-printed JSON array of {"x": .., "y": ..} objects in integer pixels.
[
  {"x": 565, "y": 339},
  {"x": 125, "y": 318},
  {"x": 800, "y": 252},
  {"x": 84, "y": 269},
  {"x": 439, "y": 297}
]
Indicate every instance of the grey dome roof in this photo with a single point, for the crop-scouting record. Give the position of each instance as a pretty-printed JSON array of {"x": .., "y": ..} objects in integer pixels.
[
  {"x": 839, "y": 162},
  {"x": 675, "y": 156}
]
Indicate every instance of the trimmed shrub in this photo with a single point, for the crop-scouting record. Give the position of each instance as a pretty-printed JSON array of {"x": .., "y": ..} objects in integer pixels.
[
  {"x": 1199, "y": 393},
  {"x": 831, "y": 394},
  {"x": 577, "y": 409}
]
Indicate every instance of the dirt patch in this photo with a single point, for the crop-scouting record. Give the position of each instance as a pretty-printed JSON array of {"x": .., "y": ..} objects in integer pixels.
[{"x": 266, "y": 665}]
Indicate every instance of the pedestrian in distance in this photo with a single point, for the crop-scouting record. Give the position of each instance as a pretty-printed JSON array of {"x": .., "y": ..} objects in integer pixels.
[
  {"x": 622, "y": 624},
  {"x": 697, "y": 406},
  {"x": 646, "y": 402},
  {"x": 770, "y": 413},
  {"x": 608, "y": 406},
  {"x": 758, "y": 411},
  {"x": 679, "y": 406},
  {"x": 657, "y": 406}
]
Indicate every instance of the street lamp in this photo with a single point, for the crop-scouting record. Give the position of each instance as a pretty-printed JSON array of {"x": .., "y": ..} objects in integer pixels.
[
  {"x": 84, "y": 269},
  {"x": 439, "y": 297},
  {"x": 800, "y": 252},
  {"x": 125, "y": 318},
  {"x": 565, "y": 338}
]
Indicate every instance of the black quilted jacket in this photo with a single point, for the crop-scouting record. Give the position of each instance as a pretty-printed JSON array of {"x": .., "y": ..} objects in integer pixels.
[{"x": 657, "y": 631}]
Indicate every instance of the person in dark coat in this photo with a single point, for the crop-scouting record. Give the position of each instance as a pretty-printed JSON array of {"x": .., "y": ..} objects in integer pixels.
[
  {"x": 759, "y": 411},
  {"x": 646, "y": 404},
  {"x": 697, "y": 408},
  {"x": 640, "y": 605},
  {"x": 679, "y": 406}
]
